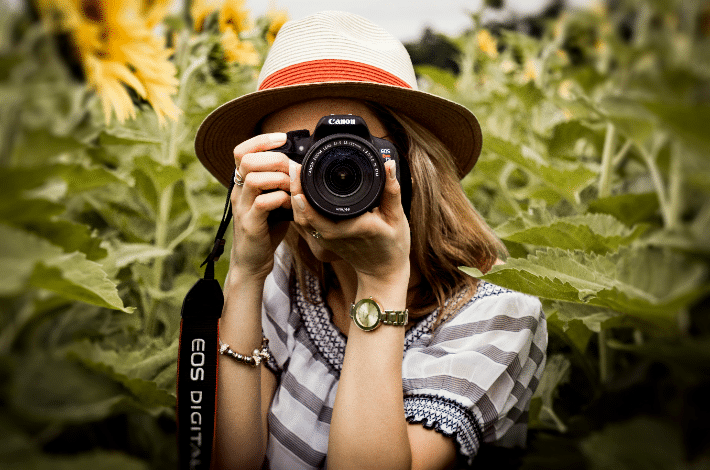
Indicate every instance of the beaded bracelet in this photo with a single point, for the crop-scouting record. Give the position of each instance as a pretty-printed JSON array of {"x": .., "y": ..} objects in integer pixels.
[{"x": 253, "y": 360}]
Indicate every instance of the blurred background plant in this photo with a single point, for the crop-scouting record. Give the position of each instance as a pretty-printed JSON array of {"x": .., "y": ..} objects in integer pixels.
[{"x": 595, "y": 173}]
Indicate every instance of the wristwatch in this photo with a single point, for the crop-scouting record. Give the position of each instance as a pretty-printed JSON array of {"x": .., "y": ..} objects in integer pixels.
[{"x": 368, "y": 314}]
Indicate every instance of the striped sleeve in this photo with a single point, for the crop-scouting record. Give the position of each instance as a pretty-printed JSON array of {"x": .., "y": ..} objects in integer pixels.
[
  {"x": 276, "y": 321},
  {"x": 473, "y": 378}
]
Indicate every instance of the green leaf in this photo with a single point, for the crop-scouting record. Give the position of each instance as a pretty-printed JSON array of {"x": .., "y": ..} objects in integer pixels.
[
  {"x": 630, "y": 118},
  {"x": 629, "y": 208},
  {"x": 20, "y": 251},
  {"x": 74, "y": 277},
  {"x": 566, "y": 179},
  {"x": 439, "y": 76},
  {"x": 592, "y": 317},
  {"x": 135, "y": 366},
  {"x": 125, "y": 254},
  {"x": 39, "y": 217},
  {"x": 144, "y": 391},
  {"x": 689, "y": 122},
  {"x": 543, "y": 415},
  {"x": 122, "y": 135},
  {"x": 566, "y": 135},
  {"x": 652, "y": 285},
  {"x": 161, "y": 175},
  {"x": 37, "y": 147},
  {"x": 529, "y": 94},
  {"x": 597, "y": 233},
  {"x": 48, "y": 389},
  {"x": 639, "y": 444}
]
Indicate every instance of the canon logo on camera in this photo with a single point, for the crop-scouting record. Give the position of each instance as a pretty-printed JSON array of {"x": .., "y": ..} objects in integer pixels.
[{"x": 341, "y": 121}]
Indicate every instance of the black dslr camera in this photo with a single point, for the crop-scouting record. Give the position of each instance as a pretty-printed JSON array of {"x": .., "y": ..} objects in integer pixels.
[{"x": 342, "y": 173}]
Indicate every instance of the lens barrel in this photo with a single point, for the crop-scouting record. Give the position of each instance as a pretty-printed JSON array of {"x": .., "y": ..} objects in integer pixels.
[{"x": 343, "y": 175}]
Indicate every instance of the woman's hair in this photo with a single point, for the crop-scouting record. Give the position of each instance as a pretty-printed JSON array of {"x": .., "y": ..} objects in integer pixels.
[{"x": 447, "y": 232}]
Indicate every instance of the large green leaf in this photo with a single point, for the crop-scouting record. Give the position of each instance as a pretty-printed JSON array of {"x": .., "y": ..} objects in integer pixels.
[
  {"x": 75, "y": 277},
  {"x": 144, "y": 391},
  {"x": 142, "y": 362},
  {"x": 162, "y": 175},
  {"x": 40, "y": 217},
  {"x": 596, "y": 233},
  {"x": 25, "y": 257},
  {"x": 652, "y": 285},
  {"x": 566, "y": 179},
  {"x": 46, "y": 388},
  {"x": 565, "y": 136},
  {"x": 629, "y": 208},
  {"x": 20, "y": 251}
]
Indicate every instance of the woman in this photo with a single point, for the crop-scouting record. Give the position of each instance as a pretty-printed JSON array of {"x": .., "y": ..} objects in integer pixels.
[{"x": 459, "y": 363}]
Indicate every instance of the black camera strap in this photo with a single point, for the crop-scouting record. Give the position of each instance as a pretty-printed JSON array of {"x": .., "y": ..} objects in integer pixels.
[{"x": 198, "y": 356}]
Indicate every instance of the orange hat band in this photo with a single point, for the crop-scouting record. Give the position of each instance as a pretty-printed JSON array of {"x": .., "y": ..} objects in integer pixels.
[{"x": 330, "y": 70}]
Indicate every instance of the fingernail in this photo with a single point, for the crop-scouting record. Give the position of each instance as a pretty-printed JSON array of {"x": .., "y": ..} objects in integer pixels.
[
  {"x": 277, "y": 137},
  {"x": 292, "y": 171},
  {"x": 300, "y": 202},
  {"x": 393, "y": 170}
]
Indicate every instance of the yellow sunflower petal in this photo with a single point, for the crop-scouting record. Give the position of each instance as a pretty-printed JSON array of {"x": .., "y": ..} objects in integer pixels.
[
  {"x": 238, "y": 51},
  {"x": 277, "y": 18},
  {"x": 201, "y": 9},
  {"x": 234, "y": 15},
  {"x": 487, "y": 43},
  {"x": 155, "y": 12}
]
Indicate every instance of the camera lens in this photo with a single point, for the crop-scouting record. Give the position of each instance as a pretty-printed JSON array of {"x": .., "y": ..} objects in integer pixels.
[{"x": 342, "y": 177}]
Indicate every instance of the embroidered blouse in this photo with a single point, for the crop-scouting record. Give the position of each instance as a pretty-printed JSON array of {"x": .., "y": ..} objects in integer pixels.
[{"x": 471, "y": 379}]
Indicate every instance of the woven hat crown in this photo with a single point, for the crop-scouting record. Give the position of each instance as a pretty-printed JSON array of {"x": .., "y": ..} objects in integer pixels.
[
  {"x": 335, "y": 54},
  {"x": 335, "y": 46}
]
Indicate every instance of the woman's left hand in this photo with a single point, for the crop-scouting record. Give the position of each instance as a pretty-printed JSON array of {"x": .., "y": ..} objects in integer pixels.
[{"x": 376, "y": 244}]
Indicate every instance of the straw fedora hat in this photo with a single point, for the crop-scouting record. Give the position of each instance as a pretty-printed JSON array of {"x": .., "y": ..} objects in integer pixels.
[{"x": 335, "y": 54}]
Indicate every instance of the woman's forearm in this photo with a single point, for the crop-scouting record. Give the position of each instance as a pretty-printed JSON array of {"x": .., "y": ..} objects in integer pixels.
[
  {"x": 368, "y": 428},
  {"x": 241, "y": 428}
]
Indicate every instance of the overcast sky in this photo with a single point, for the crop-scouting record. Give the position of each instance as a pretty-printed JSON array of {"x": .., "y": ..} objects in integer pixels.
[{"x": 405, "y": 19}]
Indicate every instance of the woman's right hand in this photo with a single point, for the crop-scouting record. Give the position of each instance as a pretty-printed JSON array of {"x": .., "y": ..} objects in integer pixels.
[{"x": 254, "y": 240}]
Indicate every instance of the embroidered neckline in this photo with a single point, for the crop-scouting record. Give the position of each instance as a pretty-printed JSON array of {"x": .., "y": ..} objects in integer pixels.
[{"x": 330, "y": 342}]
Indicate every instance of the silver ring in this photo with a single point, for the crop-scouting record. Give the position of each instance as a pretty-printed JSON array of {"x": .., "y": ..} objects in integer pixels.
[
  {"x": 316, "y": 234},
  {"x": 238, "y": 178}
]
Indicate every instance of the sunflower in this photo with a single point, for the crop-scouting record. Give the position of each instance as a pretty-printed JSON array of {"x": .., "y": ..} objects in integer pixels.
[
  {"x": 277, "y": 18},
  {"x": 200, "y": 10},
  {"x": 233, "y": 19},
  {"x": 117, "y": 48},
  {"x": 487, "y": 43}
]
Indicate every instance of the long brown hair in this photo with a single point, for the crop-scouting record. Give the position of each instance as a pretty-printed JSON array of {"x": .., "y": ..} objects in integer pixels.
[{"x": 447, "y": 232}]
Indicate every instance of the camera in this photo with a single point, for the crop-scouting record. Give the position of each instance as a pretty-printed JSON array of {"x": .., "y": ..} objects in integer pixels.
[{"x": 342, "y": 167}]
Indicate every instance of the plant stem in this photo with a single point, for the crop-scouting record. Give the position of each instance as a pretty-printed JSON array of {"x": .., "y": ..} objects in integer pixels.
[
  {"x": 605, "y": 191},
  {"x": 622, "y": 153},
  {"x": 607, "y": 161},
  {"x": 650, "y": 159},
  {"x": 604, "y": 356},
  {"x": 675, "y": 187},
  {"x": 170, "y": 157}
]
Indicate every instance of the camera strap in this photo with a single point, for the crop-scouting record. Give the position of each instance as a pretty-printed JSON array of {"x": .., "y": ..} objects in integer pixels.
[{"x": 198, "y": 356}]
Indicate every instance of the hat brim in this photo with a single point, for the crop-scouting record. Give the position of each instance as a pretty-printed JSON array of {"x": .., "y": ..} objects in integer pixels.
[{"x": 237, "y": 120}]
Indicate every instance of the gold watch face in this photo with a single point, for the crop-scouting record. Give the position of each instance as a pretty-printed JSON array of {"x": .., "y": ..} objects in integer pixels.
[{"x": 367, "y": 314}]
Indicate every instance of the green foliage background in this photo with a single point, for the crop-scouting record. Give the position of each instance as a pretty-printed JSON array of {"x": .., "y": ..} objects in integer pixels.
[{"x": 595, "y": 172}]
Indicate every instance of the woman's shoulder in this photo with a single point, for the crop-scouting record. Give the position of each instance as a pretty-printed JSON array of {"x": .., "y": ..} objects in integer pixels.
[{"x": 491, "y": 301}]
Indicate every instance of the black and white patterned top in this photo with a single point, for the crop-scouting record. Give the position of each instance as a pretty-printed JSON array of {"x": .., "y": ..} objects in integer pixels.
[{"x": 471, "y": 379}]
